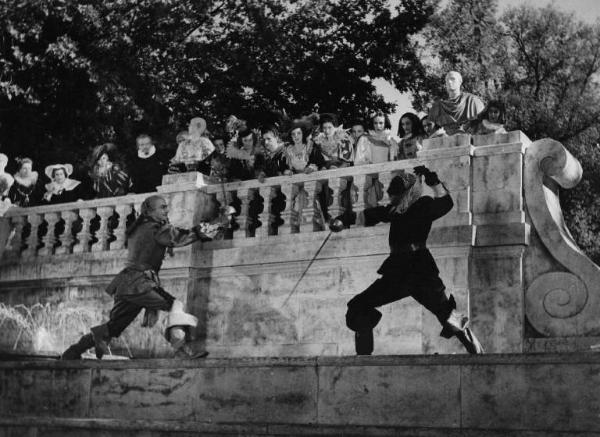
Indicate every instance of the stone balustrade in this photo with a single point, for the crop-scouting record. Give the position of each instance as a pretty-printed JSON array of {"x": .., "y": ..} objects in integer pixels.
[
  {"x": 503, "y": 252},
  {"x": 69, "y": 228}
]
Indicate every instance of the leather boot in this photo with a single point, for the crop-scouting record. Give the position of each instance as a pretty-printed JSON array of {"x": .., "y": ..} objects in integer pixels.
[
  {"x": 469, "y": 341},
  {"x": 363, "y": 341},
  {"x": 74, "y": 351},
  {"x": 101, "y": 339}
]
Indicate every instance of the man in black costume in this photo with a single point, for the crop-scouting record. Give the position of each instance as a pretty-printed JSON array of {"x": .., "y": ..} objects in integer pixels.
[{"x": 410, "y": 270}]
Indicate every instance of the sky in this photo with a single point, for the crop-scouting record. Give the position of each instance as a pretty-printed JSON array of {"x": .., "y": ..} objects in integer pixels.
[{"x": 585, "y": 10}]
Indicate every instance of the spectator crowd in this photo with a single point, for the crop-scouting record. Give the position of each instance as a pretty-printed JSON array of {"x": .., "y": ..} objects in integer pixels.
[{"x": 241, "y": 152}]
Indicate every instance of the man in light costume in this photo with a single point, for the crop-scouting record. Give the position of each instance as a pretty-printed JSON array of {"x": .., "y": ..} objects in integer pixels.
[{"x": 138, "y": 286}]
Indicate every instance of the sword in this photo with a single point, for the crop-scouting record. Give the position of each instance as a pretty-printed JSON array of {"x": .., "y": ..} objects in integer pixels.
[{"x": 306, "y": 269}]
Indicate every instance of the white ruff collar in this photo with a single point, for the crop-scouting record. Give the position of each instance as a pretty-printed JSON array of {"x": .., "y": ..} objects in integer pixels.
[
  {"x": 67, "y": 185},
  {"x": 31, "y": 180},
  {"x": 147, "y": 155}
]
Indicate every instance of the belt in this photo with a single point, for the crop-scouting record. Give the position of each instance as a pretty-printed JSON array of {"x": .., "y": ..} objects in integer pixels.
[{"x": 407, "y": 248}]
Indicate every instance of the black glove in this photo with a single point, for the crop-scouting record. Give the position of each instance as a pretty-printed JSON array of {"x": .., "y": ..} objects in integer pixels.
[
  {"x": 421, "y": 170},
  {"x": 336, "y": 225},
  {"x": 432, "y": 179}
]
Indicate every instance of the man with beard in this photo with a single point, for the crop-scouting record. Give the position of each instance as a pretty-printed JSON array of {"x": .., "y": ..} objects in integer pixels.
[
  {"x": 410, "y": 270},
  {"x": 138, "y": 286}
]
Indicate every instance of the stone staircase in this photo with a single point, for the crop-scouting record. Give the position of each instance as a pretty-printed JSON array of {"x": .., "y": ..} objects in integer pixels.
[{"x": 438, "y": 395}]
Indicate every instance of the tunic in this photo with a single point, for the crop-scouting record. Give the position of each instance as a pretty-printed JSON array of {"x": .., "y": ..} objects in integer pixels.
[
  {"x": 146, "y": 251},
  {"x": 454, "y": 114}
]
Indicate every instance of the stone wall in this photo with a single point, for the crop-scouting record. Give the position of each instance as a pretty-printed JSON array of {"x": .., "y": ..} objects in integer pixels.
[
  {"x": 503, "y": 235},
  {"x": 492, "y": 395}
]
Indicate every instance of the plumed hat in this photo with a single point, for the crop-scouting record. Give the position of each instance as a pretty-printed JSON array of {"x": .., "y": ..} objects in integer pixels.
[
  {"x": 68, "y": 168},
  {"x": 401, "y": 183},
  {"x": 108, "y": 148}
]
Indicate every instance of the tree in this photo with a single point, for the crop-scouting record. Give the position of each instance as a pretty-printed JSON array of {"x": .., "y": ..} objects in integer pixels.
[
  {"x": 544, "y": 65},
  {"x": 78, "y": 73},
  {"x": 540, "y": 61}
]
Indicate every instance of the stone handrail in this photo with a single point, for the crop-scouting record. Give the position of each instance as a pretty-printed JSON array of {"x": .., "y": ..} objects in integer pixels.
[
  {"x": 99, "y": 225},
  {"x": 558, "y": 303}
]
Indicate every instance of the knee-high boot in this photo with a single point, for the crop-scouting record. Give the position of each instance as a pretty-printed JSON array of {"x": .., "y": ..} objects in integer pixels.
[
  {"x": 101, "y": 340},
  {"x": 74, "y": 351}
]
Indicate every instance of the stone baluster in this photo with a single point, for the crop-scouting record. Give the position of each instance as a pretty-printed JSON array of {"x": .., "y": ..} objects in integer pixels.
[
  {"x": 336, "y": 185},
  {"x": 119, "y": 232},
  {"x": 244, "y": 220},
  {"x": 18, "y": 222},
  {"x": 385, "y": 178},
  {"x": 84, "y": 236},
  {"x": 49, "y": 239},
  {"x": 288, "y": 214},
  {"x": 307, "y": 213},
  {"x": 361, "y": 181},
  {"x": 66, "y": 238},
  {"x": 267, "y": 193},
  {"x": 103, "y": 233},
  {"x": 35, "y": 220}
]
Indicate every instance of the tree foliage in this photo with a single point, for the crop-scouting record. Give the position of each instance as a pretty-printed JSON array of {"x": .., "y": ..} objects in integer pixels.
[
  {"x": 77, "y": 73},
  {"x": 544, "y": 64}
]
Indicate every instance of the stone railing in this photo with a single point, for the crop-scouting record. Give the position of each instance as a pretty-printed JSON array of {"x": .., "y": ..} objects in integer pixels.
[{"x": 294, "y": 204}]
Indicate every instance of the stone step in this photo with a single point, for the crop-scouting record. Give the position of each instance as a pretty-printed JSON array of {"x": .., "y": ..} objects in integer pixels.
[{"x": 450, "y": 395}]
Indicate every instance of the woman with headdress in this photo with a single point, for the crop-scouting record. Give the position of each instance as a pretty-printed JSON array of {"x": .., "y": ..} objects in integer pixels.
[
  {"x": 108, "y": 177},
  {"x": 491, "y": 120},
  {"x": 335, "y": 143},
  {"x": 61, "y": 189},
  {"x": 26, "y": 190},
  {"x": 378, "y": 145},
  {"x": 412, "y": 134},
  {"x": 303, "y": 156}
]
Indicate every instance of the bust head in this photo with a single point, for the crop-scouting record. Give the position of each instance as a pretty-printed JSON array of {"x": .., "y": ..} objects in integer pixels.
[{"x": 453, "y": 83}]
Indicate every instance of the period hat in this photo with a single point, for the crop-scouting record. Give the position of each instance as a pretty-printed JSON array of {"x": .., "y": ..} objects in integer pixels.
[{"x": 68, "y": 168}]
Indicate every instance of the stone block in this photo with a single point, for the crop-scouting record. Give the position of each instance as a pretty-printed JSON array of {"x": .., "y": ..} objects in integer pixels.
[
  {"x": 502, "y": 234},
  {"x": 495, "y": 139},
  {"x": 44, "y": 392},
  {"x": 401, "y": 395},
  {"x": 322, "y": 320},
  {"x": 135, "y": 394},
  {"x": 497, "y": 318},
  {"x": 496, "y": 201},
  {"x": 497, "y": 172},
  {"x": 496, "y": 269},
  {"x": 457, "y": 140},
  {"x": 550, "y": 397},
  {"x": 257, "y": 394}
]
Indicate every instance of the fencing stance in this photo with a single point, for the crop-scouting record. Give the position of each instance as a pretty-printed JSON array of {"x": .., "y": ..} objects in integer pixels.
[
  {"x": 410, "y": 270},
  {"x": 137, "y": 286}
]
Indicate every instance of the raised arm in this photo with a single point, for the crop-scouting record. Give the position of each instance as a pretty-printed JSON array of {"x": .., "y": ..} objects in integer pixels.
[
  {"x": 442, "y": 202},
  {"x": 171, "y": 236}
]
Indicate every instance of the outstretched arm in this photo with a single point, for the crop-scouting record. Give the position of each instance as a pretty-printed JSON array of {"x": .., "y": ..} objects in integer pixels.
[{"x": 171, "y": 236}]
